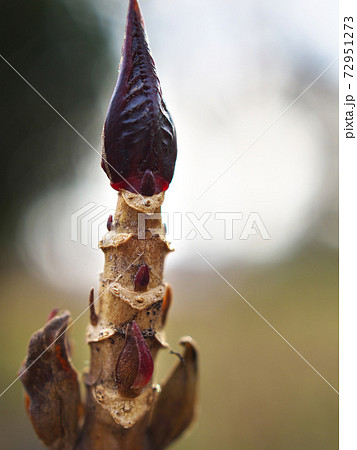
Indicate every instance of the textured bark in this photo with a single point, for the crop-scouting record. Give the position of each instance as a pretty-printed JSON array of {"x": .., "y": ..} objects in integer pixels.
[
  {"x": 119, "y": 305},
  {"x": 119, "y": 412}
]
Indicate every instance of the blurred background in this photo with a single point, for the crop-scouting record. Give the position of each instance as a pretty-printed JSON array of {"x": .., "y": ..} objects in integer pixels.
[{"x": 229, "y": 71}]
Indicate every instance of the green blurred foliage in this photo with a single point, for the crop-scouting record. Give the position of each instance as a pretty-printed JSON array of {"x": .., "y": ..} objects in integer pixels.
[{"x": 62, "y": 49}]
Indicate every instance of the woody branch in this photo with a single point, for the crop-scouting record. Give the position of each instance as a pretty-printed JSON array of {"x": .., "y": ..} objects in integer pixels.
[{"x": 122, "y": 409}]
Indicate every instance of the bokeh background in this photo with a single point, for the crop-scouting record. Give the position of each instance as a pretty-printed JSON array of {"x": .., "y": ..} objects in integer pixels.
[{"x": 228, "y": 70}]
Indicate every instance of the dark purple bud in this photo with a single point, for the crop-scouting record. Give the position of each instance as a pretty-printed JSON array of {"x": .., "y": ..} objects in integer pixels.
[
  {"x": 92, "y": 315},
  {"x": 148, "y": 183},
  {"x": 142, "y": 278},
  {"x": 110, "y": 222},
  {"x": 135, "y": 365},
  {"x": 139, "y": 138}
]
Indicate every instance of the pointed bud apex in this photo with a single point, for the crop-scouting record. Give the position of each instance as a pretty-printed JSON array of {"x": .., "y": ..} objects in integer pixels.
[
  {"x": 110, "y": 222},
  {"x": 142, "y": 278},
  {"x": 139, "y": 138},
  {"x": 52, "y": 314},
  {"x": 146, "y": 363},
  {"x": 135, "y": 365},
  {"x": 93, "y": 316},
  {"x": 166, "y": 303},
  {"x": 148, "y": 183}
]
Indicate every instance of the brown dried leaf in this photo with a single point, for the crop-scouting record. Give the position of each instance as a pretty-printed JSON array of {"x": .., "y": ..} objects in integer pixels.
[
  {"x": 52, "y": 391},
  {"x": 175, "y": 408}
]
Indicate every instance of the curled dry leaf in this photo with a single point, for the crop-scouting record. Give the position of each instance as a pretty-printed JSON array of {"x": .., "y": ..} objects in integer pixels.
[
  {"x": 176, "y": 405},
  {"x": 52, "y": 400}
]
